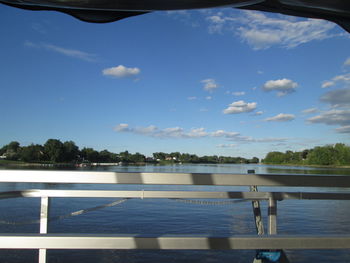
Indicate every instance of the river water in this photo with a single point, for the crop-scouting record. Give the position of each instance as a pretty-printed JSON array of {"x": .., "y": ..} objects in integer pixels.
[{"x": 164, "y": 216}]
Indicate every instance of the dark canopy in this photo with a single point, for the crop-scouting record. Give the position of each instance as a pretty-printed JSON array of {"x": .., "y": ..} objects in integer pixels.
[{"x": 100, "y": 11}]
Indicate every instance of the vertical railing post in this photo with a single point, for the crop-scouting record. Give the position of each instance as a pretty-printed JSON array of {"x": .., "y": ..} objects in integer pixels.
[
  {"x": 44, "y": 223},
  {"x": 257, "y": 215},
  {"x": 256, "y": 209},
  {"x": 272, "y": 213}
]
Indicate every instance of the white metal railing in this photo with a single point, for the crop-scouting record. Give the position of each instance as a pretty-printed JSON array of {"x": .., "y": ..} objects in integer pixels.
[{"x": 273, "y": 241}]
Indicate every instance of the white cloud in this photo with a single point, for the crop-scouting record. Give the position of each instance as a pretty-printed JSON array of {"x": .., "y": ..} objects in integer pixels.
[
  {"x": 225, "y": 134},
  {"x": 332, "y": 117},
  {"x": 209, "y": 84},
  {"x": 339, "y": 110},
  {"x": 121, "y": 72},
  {"x": 197, "y": 133},
  {"x": 310, "y": 111},
  {"x": 282, "y": 86},
  {"x": 226, "y": 145},
  {"x": 174, "y": 132},
  {"x": 261, "y": 31},
  {"x": 282, "y": 117},
  {"x": 248, "y": 139},
  {"x": 339, "y": 117},
  {"x": 238, "y": 93},
  {"x": 240, "y": 107},
  {"x": 347, "y": 62},
  {"x": 343, "y": 129},
  {"x": 344, "y": 79},
  {"x": 63, "y": 51},
  {"x": 337, "y": 98},
  {"x": 259, "y": 113},
  {"x": 327, "y": 84},
  {"x": 208, "y": 97},
  {"x": 146, "y": 130},
  {"x": 217, "y": 22},
  {"x": 192, "y": 98},
  {"x": 122, "y": 127},
  {"x": 194, "y": 133}
]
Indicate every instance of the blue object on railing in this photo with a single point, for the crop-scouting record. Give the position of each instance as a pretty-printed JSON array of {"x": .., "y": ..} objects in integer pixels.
[{"x": 268, "y": 256}]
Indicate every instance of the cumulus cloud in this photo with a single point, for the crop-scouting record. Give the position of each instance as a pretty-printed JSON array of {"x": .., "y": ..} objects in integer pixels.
[
  {"x": 209, "y": 84},
  {"x": 332, "y": 117},
  {"x": 121, "y": 72},
  {"x": 282, "y": 117},
  {"x": 342, "y": 79},
  {"x": 338, "y": 113},
  {"x": 74, "y": 53},
  {"x": 258, "y": 113},
  {"x": 282, "y": 86},
  {"x": 310, "y": 111},
  {"x": 337, "y": 98},
  {"x": 240, "y": 107},
  {"x": 340, "y": 117}
]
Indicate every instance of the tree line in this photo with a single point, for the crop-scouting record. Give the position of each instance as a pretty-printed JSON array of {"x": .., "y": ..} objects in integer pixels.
[
  {"x": 55, "y": 151},
  {"x": 337, "y": 155}
]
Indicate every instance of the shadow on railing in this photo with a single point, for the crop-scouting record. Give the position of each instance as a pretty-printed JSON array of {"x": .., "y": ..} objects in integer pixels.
[{"x": 267, "y": 245}]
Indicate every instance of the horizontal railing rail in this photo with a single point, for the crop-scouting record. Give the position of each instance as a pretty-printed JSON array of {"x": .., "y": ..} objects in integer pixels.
[
  {"x": 144, "y": 194},
  {"x": 30, "y": 176},
  {"x": 272, "y": 241},
  {"x": 108, "y": 241}
]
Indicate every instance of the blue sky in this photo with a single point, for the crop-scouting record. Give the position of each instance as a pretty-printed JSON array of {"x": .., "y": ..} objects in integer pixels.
[{"x": 218, "y": 81}]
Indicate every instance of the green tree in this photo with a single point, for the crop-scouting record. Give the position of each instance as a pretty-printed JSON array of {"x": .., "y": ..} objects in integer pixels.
[
  {"x": 160, "y": 155},
  {"x": 322, "y": 156},
  {"x": 89, "y": 154},
  {"x": 342, "y": 153},
  {"x": 32, "y": 153},
  {"x": 275, "y": 158},
  {"x": 137, "y": 158},
  {"x": 11, "y": 150},
  {"x": 125, "y": 157},
  {"x": 70, "y": 151},
  {"x": 54, "y": 150}
]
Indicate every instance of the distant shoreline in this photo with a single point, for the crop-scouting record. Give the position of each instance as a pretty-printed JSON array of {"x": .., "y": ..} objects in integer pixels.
[
  {"x": 309, "y": 165},
  {"x": 28, "y": 164}
]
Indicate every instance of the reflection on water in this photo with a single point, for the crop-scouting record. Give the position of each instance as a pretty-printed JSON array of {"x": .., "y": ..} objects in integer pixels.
[{"x": 164, "y": 216}]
